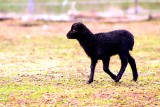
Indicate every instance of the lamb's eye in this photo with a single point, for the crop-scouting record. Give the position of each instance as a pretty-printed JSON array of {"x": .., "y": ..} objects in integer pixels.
[{"x": 74, "y": 30}]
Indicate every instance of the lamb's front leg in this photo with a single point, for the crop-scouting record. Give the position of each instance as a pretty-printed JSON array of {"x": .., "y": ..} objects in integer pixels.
[{"x": 93, "y": 65}]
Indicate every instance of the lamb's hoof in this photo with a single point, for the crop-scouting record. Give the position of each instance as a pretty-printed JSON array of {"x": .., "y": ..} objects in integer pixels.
[
  {"x": 135, "y": 79},
  {"x": 114, "y": 77},
  {"x": 117, "y": 79},
  {"x": 89, "y": 82}
]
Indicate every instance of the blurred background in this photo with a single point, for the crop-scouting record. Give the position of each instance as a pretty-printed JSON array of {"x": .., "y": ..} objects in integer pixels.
[{"x": 84, "y": 10}]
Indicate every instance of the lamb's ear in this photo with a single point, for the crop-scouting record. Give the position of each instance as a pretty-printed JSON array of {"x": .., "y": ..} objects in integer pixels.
[{"x": 80, "y": 25}]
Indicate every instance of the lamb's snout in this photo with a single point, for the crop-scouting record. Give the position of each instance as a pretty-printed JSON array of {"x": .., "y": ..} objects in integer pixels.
[
  {"x": 71, "y": 35},
  {"x": 68, "y": 35}
]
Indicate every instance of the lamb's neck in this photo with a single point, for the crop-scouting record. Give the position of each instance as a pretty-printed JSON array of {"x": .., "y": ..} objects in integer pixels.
[
  {"x": 87, "y": 43},
  {"x": 86, "y": 39}
]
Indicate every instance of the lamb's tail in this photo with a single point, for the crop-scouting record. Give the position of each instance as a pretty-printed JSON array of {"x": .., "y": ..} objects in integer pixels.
[
  {"x": 131, "y": 40},
  {"x": 131, "y": 45}
]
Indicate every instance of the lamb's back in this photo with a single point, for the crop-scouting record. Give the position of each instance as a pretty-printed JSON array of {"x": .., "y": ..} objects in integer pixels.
[{"x": 115, "y": 41}]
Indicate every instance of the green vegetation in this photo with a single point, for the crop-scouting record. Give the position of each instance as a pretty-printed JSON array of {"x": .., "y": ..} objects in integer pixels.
[{"x": 52, "y": 71}]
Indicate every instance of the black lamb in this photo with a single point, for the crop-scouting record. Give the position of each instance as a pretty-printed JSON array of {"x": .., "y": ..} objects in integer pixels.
[{"x": 101, "y": 46}]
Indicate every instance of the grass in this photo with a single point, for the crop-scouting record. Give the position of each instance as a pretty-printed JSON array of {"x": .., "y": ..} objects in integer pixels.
[{"x": 52, "y": 71}]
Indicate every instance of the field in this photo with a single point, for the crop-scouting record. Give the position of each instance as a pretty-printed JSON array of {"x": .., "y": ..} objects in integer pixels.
[{"x": 39, "y": 66}]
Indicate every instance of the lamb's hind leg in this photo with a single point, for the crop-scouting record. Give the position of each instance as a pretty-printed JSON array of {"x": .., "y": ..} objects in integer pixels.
[
  {"x": 124, "y": 62},
  {"x": 106, "y": 68},
  {"x": 133, "y": 67}
]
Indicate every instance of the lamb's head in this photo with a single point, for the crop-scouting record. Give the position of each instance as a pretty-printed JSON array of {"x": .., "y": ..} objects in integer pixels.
[{"x": 77, "y": 30}]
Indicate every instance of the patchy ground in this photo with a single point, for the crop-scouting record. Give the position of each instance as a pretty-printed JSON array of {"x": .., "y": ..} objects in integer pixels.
[{"x": 39, "y": 66}]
